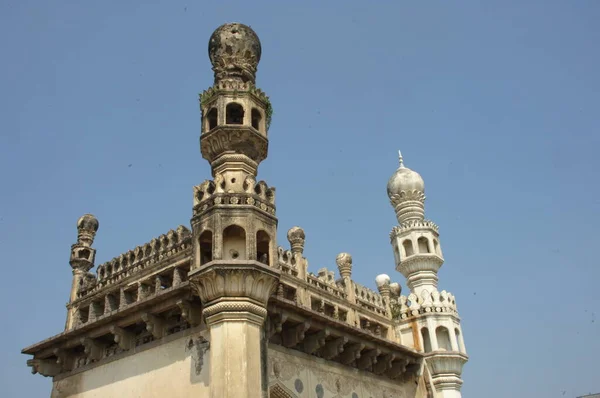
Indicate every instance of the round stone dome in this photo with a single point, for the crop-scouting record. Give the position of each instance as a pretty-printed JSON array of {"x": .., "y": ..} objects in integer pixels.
[
  {"x": 234, "y": 50},
  {"x": 88, "y": 222},
  {"x": 405, "y": 179}
]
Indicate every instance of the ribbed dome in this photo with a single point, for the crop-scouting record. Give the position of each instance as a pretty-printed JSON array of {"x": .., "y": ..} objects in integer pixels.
[{"x": 404, "y": 179}]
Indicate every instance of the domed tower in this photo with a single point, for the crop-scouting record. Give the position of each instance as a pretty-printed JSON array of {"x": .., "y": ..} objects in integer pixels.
[
  {"x": 233, "y": 224},
  {"x": 427, "y": 318}
]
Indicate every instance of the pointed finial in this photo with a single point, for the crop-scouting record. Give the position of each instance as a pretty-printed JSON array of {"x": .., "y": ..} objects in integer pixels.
[{"x": 400, "y": 159}]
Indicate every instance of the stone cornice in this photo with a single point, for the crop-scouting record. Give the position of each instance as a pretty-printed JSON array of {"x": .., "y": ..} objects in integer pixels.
[{"x": 163, "y": 300}]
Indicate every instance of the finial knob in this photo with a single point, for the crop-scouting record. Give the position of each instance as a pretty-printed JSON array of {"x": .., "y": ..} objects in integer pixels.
[
  {"x": 234, "y": 50},
  {"x": 383, "y": 284},
  {"x": 296, "y": 238},
  {"x": 344, "y": 263},
  {"x": 395, "y": 289},
  {"x": 87, "y": 226}
]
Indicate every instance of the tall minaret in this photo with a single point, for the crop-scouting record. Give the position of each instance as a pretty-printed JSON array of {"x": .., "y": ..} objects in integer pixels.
[
  {"x": 234, "y": 225},
  {"x": 82, "y": 259},
  {"x": 429, "y": 315}
]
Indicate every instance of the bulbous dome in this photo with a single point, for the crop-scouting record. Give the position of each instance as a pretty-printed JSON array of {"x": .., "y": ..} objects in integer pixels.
[
  {"x": 234, "y": 50},
  {"x": 382, "y": 281},
  {"x": 404, "y": 179},
  {"x": 88, "y": 223}
]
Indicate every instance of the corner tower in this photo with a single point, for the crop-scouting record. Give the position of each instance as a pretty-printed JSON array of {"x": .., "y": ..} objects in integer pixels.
[
  {"x": 233, "y": 224},
  {"x": 427, "y": 316}
]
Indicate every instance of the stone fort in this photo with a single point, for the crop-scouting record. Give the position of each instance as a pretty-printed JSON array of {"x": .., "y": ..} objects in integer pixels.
[{"x": 219, "y": 309}]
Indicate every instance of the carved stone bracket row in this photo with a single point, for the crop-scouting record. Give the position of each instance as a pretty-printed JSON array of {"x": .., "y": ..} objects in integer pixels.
[
  {"x": 98, "y": 347},
  {"x": 315, "y": 338}
]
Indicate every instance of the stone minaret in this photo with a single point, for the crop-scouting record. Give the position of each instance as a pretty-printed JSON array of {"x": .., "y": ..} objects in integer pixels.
[
  {"x": 82, "y": 259},
  {"x": 234, "y": 225},
  {"x": 418, "y": 256}
]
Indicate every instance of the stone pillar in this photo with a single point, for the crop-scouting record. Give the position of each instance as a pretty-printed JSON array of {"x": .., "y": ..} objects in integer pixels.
[{"x": 234, "y": 296}]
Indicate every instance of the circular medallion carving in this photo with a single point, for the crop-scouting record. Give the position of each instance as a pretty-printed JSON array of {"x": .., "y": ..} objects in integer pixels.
[{"x": 299, "y": 386}]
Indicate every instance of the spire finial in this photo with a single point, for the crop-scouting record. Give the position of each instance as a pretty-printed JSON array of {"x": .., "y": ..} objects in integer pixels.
[{"x": 400, "y": 159}]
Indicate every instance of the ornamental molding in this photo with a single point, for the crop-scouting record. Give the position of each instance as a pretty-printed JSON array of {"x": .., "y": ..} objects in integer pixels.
[
  {"x": 411, "y": 225},
  {"x": 405, "y": 196},
  {"x": 229, "y": 278},
  {"x": 420, "y": 262}
]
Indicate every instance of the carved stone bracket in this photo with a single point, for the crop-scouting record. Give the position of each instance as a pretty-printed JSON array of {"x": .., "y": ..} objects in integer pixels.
[
  {"x": 93, "y": 350},
  {"x": 276, "y": 322},
  {"x": 63, "y": 358},
  {"x": 295, "y": 334},
  {"x": 333, "y": 348},
  {"x": 383, "y": 364},
  {"x": 315, "y": 341},
  {"x": 351, "y": 353},
  {"x": 190, "y": 312},
  {"x": 367, "y": 359},
  {"x": 154, "y": 324},
  {"x": 123, "y": 338},
  {"x": 397, "y": 368},
  {"x": 45, "y": 367}
]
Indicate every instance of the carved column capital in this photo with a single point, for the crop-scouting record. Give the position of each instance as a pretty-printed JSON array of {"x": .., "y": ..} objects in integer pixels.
[{"x": 233, "y": 287}]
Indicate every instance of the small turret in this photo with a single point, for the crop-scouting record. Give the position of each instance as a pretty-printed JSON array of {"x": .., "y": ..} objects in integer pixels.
[{"x": 82, "y": 258}]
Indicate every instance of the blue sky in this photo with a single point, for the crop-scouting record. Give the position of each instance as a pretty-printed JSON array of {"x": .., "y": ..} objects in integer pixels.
[{"x": 496, "y": 105}]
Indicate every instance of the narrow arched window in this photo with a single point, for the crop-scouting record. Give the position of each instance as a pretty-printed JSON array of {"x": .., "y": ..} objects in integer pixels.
[
  {"x": 263, "y": 243},
  {"x": 234, "y": 113},
  {"x": 458, "y": 344},
  {"x": 443, "y": 338},
  {"x": 423, "y": 245},
  {"x": 234, "y": 243},
  {"x": 435, "y": 246},
  {"x": 426, "y": 340},
  {"x": 256, "y": 119},
  {"x": 206, "y": 247},
  {"x": 211, "y": 119},
  {"x": 408, "y": 248}
]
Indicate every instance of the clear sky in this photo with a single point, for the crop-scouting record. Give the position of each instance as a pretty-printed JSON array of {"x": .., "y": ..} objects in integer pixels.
[{"x": 496, "y": 104}]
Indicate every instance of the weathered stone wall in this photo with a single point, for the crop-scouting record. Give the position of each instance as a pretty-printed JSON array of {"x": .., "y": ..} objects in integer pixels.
[
  {"x": 295, "y": 374},
  {"x": 176, "y": 367}
]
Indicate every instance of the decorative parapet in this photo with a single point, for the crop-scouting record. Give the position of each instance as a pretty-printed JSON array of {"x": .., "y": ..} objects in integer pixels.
[
  {"x": 369, "y": 299},
  {"x": 286, "y": 262},
  {"x": 413, "y": 305},
  {"x": 413, "y": 224},
  {"x": 134, "y": 261},
  {"x": 216, "y": 193},
  {"x": 231, "y": 86}
]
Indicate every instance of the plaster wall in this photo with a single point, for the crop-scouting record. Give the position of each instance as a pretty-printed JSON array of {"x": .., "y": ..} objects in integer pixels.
[
  {"x": 295, "y": 374},
  {"x": 177, "y": 368}
]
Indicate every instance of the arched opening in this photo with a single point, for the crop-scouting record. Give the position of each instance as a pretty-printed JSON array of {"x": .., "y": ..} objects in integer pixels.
[
  {"x": 234, "y": 113},
  {"x": 435, "y": 246},
  {"x": 443, "y": 338},
  {"x": 234, "y": 243},
  {"x": 256, "y": 118},
  {"x": 211, "y": 119},
  {"x": 85, "y": 254},
  {"x": 263, "y": 243},
  {"x": 408, "y": 249},
  {"x": 206, "y": 247},
  {"x": 423, "y": 245},
  {"x": 458, "y": 344},
  {"x": 426, "y": 340}
]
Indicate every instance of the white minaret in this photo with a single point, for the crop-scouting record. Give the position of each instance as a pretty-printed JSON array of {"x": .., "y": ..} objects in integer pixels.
[{"x": 427, "y": 317}]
